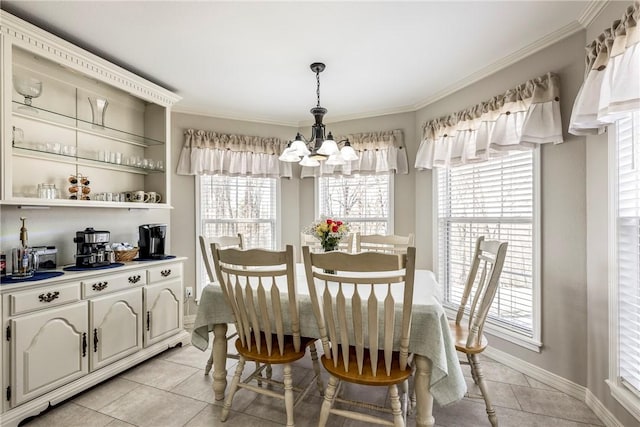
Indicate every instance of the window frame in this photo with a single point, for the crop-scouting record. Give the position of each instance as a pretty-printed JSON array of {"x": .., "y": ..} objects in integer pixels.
[
  {"x": 201, "y": 279},
  {"x": 533, "y": 343},
  {"x": 626, "y": 398},
  {"x": 391, "y": 218}
]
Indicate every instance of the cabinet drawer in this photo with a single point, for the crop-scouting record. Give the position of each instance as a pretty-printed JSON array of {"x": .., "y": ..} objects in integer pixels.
[
  {"x": 165, "y": 272},
  {"x": 45, "y": 297},
  {"x": 113, "y": 282}
]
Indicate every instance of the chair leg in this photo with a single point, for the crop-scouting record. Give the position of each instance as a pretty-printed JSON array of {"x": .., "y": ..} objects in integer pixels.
[
  {"x": 288, "y": 393},
  {"x": 396, "y": 407},
  {"x": 405, "y": 400},
  {"x": 269, "y": 372},
  {"x": 207, "y": 368},
  {"x": 232, "y": 390},
  {"x": 259, "y": 376},
  {"x": 327, "y": 403},
  {"x": 474, "y": 375},
  {"x": 316, "y": 367},
  {"x": 491, "y": 413}
]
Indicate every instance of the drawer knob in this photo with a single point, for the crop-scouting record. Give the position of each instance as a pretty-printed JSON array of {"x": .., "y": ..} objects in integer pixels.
[
  {"x": 134, "y": 279},
  {"x": 165, "y": 273},
  {"x": 49, "y": 296},
  {"x": 100, "y": 286}
]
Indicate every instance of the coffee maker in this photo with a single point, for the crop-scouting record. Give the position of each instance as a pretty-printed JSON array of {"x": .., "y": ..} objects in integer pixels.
[
  {"x": 151, "y": 243},
  {"x": 91, "y": 248}
]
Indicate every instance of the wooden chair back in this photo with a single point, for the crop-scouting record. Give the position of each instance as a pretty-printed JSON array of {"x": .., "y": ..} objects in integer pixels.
[
  {"x": 345, "y": 245},
  {"x": 392, "y": 244},
  {"x": 255, "y": 282},
  {"x": 488, "y": 260},
  {"x": 373, "y": 283},
  {"x": 223, "y": 242}
]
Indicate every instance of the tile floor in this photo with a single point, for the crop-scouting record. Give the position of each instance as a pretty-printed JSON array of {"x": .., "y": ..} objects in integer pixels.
[{"x": 172, "y": 390}]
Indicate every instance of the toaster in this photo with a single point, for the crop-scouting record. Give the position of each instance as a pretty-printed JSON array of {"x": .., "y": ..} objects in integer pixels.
[{"x": 46, "y": 257}]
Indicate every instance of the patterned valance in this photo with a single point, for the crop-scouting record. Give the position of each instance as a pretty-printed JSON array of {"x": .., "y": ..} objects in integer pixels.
[
  {"x": 516, "y": 120},
  {"x": 210, "y": 153},
  {"x": 378, "y": 153},
  {"x": 612, "y": 77}
]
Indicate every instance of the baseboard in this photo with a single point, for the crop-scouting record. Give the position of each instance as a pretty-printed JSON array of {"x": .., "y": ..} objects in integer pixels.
[{"x": 556, "y": 381}]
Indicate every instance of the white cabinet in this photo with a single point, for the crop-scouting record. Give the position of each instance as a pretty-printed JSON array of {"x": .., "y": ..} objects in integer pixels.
[
  {"x": 48, "y": 349},
  {"x": 88, "y": 118},
  {"x": 115, "y": 327},
  {"x": 66, "y": 334}
]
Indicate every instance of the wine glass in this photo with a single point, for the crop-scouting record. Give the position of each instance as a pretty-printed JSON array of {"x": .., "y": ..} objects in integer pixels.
[{"x": 27, "y": 86}]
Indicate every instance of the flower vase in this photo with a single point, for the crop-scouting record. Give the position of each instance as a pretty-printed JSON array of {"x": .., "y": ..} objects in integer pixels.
[{"x": 328, "y": 247}]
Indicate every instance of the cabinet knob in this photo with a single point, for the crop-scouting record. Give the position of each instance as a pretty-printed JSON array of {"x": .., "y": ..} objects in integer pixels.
[
  {"x": 95, "y": 340},
  {"x": 84, "y": 344},
  {"x": 134, "y": 279},
  {"x": 148, "y": 320},
  {"x": 165, "y": 273},
  {"x": 100, "y": 286},
  {"x": 49, "y": 296}
]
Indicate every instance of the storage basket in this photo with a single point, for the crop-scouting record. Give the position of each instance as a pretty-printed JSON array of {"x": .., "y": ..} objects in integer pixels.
[{"x": 128, "y": 255}]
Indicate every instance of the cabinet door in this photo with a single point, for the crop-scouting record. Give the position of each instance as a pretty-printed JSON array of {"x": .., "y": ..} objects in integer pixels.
[
  {"x": 115, "y": 327},
  {"x": 163, "y": 310},
  {"x": 48, "y": 350}
]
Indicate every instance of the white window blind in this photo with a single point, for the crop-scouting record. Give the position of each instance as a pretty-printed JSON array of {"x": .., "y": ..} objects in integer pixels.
[
  {"x": 362, "y": 200},
  {"x": 494, "y": 199},
  {"x": 237, "y": 204},
  {"x": 628, "y": 250}
]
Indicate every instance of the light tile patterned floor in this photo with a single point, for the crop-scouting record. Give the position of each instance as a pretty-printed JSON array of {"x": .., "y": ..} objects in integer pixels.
[{"x": 172, "y": 390}]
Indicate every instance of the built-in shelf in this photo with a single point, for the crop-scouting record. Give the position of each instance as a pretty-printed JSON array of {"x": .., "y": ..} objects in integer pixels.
[
  {"x": 32, "y": 202},
  {"x": 69, "y": 122},
  {"x": 22, "y": 150}
]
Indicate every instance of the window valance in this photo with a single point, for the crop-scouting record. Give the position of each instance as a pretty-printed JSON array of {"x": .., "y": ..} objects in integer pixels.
[
  {"x": 612, "y": 77},
  {"x": 211, "y": 153},
  {"x": 516, "y": 120},
  {"x": 378, "y": 153}
]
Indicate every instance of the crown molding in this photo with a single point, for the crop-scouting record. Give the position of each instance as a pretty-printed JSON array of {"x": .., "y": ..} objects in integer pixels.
[
  {"x": 47, "y": 45},
  {"x": 503, "y": 63},
  {"x": 591, "y": 12},
  {"x": 217, "y": 114}
]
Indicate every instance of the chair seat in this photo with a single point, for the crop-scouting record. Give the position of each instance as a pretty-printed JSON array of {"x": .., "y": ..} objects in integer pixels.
[
  {"x": 289, "y": 355},
  {"x": 460, "y": 335},
  {"x": 367, "y": 378}
]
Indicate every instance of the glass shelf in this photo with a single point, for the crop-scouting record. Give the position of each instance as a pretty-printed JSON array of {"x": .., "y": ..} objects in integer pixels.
[
  {"x": 62, "y": 120},
  {"x": 27, "y": 151}
]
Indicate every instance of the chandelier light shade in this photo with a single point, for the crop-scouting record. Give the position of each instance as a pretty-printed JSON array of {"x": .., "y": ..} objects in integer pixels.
[{"x": 310, "y": 152}]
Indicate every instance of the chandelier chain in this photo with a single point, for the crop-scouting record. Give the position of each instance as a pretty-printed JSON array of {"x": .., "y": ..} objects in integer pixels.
[{"x": 318, "y": 89}]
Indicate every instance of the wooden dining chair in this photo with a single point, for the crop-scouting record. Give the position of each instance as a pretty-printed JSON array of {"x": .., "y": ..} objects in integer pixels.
[
  {"x": 350, "y": 306},
  {"x": 258, "y": 285},
  {"x": 488, "y": 260},
  {"x": 205, "y": 250},
  {"x": 383, "y": 243}
]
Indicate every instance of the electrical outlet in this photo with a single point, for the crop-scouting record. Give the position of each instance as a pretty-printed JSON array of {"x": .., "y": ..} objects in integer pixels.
[{"x": 188, "y": 291}]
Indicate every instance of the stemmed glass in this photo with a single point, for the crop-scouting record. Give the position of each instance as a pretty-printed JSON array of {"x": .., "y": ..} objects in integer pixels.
[{"x": 27, "y": 86}]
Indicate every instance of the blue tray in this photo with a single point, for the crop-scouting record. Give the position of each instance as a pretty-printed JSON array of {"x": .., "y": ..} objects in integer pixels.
[
  {"x": 40, "y": 275},
  {"x": 104, "y": 267}
]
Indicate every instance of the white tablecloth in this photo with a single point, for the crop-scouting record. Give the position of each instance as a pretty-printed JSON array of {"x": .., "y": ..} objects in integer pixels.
[{"x": 430, "y": 335}]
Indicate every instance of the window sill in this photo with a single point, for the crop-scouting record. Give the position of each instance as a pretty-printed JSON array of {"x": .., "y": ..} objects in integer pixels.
[
  {"x": 628, "y": 400},
  {"x": 505, "y": 334}
]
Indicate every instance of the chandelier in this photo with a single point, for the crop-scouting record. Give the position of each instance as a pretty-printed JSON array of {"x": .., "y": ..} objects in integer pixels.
[{"x": 310, "y": 152}]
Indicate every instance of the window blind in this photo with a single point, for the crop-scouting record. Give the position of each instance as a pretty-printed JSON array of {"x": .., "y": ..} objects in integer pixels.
[
  {"x": 628, "y": 249},
  {"x": 235, "y": 204},
  {"x": 493, "y": 199},
  {"x": 361, "y": 200}
]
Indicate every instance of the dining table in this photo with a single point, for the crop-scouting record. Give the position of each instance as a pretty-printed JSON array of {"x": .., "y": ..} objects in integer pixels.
[{"x": 437, "y": 369}]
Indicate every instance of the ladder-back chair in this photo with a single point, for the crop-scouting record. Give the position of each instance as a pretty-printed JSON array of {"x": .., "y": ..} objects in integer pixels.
[
  {"x": 350, "y": 307},
  {"x": 488, "y": 260},
  {"x": 205, "y": 250},
  {"x": 379, "y": 243},
  {"x": 258, "y": 285}
]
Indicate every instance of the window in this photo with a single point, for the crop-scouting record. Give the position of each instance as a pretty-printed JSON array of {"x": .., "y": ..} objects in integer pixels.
[
  {"x": 625, "y": 267},
  {"x": 494, "y": 199},
  {"x": 362, "y": 200},
  {"x": 229, "y": 205}
]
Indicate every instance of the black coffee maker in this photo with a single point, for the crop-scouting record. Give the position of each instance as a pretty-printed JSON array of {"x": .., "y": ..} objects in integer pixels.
[
  {"x": 91, "y": 248},
  {"x": 151, "y": 243}
]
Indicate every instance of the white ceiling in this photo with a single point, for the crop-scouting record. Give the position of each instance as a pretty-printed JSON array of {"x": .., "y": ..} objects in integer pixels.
[{"x": 250, "y": 60}]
